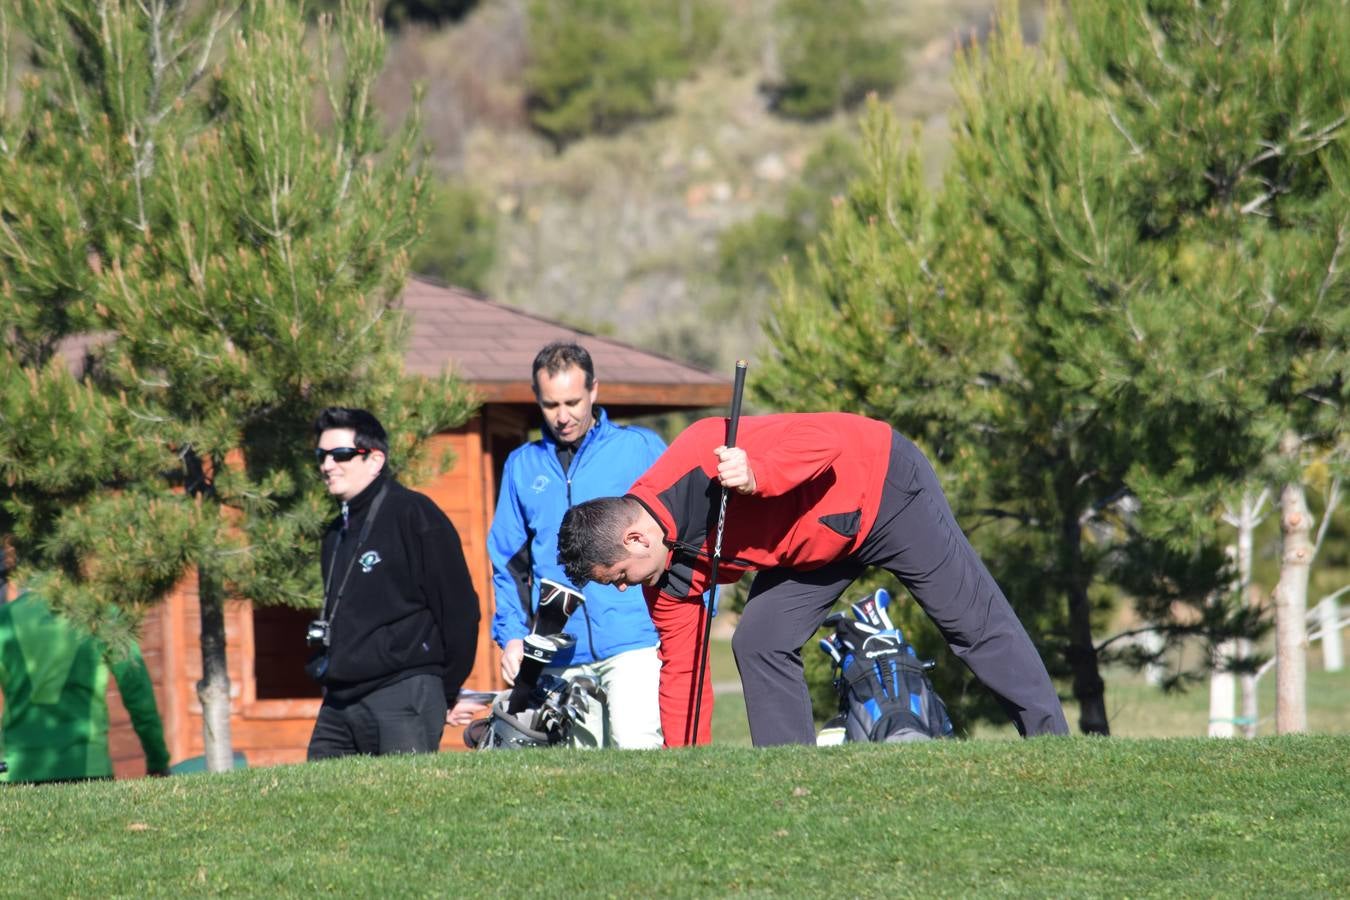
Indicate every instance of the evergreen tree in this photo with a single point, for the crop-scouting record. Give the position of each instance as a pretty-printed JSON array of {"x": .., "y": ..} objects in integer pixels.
[
  {"x": 1148, "y": 213},
  {"x": 600, "y": 65},
  {"x": 875, "y": 326},
  {"x": 1235, "y": 118},
  {"x": 209, "y": 195},
  {"x": 832, "y": 55}
]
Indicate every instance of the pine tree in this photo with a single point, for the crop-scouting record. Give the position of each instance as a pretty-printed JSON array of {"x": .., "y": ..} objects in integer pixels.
[
  {"x": 211, "y": 196},
  {"x": 833, "y": 55},
  {"x": 598, "y": 66},
  {"x": 1137, "y": 246},
  {"x": 878, "y": 326},
  {"x": 1235, "y": 116}
]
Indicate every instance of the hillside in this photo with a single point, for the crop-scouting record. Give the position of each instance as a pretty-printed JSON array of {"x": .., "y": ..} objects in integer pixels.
[{"x": 619, "y": 234}]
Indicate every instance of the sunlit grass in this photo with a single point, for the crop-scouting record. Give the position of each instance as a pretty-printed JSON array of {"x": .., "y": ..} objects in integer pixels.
[{"x": 1065, "y": 817}]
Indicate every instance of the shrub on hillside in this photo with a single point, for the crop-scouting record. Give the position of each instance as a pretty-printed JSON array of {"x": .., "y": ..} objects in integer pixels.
[
  {"x": 459, "y": 245},
  {"x": 400, "y": 12},
  {"x": 831, "y": 56},
  {"x": 599, "y": 65}
]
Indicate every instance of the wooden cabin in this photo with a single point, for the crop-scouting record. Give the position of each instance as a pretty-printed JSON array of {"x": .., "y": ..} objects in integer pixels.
[{"x": 491, "y": 346}]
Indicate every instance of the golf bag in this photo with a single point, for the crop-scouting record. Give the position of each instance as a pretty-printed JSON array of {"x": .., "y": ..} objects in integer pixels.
[
  {"x": 885, "y": 695},
  {"x": 554, "y": 706},
  {"x": 540, "y": 710}
]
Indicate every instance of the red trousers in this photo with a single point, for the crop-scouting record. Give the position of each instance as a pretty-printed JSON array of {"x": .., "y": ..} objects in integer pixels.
[{"x": 680, "y": 625}]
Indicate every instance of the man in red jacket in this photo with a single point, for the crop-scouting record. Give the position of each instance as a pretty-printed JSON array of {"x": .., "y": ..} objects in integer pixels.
[{"x": 817, "y": 498}]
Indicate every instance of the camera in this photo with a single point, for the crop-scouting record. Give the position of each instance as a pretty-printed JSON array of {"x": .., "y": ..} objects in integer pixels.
[{"x": 317, "y": 633}]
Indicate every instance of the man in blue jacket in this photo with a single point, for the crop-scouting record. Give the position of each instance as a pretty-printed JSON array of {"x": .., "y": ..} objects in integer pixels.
[{"x": 581, "y": 455}]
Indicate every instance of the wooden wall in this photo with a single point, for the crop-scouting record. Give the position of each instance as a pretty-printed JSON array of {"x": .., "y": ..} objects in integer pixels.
[{"x": 267, "y": 726}]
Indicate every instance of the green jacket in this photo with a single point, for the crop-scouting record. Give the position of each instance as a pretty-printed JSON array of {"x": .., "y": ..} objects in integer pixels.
[{"x": 55, "y": 679}]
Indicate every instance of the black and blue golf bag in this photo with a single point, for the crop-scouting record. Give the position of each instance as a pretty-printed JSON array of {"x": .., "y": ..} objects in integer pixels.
[{"x": 885, "y": 695}]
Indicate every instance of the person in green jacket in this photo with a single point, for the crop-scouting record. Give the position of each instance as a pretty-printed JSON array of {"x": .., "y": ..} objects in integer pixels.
[{"x": 54, "y": 679}]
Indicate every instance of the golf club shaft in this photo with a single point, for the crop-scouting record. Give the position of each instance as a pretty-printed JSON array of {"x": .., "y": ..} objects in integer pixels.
[
  {"x": 701, "y": 657},
  {"x": 526, "y": 678}
]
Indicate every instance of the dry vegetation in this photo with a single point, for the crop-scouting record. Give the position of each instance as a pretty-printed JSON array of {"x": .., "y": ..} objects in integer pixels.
[{"x": 619, "y": 234}]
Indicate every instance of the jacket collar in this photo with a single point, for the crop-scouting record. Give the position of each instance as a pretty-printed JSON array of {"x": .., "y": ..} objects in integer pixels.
[
  {"x": 601, "y": 423},
  {"x": 361, "y": 502}
]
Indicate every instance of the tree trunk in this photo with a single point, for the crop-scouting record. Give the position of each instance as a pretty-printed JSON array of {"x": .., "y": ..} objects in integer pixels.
[
  {"x": 1088, "y": 687},
  {"x": 1251, "y": 517},
  {"x": 214, "y": 689},
  {"x": 1251, "y": 709},
  {"x": 1291, "y": 604},
  {"x": 1222, "y": 681},
  {"x": 1222, "y": 690}
]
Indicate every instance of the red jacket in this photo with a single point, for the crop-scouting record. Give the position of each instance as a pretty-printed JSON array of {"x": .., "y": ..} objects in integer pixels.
[{"x": 818, "y": 483}]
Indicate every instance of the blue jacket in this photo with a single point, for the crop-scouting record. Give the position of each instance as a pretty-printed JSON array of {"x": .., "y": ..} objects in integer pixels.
[{"x": 523, "y": 540}]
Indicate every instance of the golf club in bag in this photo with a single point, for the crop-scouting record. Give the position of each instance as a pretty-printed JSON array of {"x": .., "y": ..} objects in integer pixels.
[
  {"x": 885, "y": 695},
  {"x": 540, "y": 710},
  {"x": 554, "y": 708}
]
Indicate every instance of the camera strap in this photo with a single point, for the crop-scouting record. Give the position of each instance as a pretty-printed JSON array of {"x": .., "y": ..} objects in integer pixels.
[{"x": 329, "y": 615}]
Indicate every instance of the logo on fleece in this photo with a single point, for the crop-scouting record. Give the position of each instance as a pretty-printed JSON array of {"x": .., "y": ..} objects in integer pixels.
[{"x": 369, "y": 560}]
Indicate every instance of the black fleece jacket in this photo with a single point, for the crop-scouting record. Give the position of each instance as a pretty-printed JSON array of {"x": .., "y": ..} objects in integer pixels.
[{"x": 408, "y": 606}]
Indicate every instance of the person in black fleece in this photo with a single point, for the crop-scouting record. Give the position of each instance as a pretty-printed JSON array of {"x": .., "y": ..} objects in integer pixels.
[{"x": 399, "y": 624}]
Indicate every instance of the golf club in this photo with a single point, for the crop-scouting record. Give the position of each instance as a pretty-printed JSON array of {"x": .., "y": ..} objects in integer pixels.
[
  {"x": 540, "y": 650},
  {"x": 865, "y": 611},
  {"x": 831, "y": 651},
  {"x": 557, "y": 602},
  {"x": 882, "y": 597},
  {"x": 737, "y": 390}
]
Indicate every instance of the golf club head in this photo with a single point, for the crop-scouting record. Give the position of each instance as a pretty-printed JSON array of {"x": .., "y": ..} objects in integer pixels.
[
  {"x": 830, "y": 650},
  {"x": 545, "y": 647},
  {"x": 882, "y": 599},
  {"x": 557, "y": 602},
  {"x": 540, "y": 651},
  {"x": 850, "y": 634},
  {"x": 865, "y": 610},
  {"x": 586, "y": 685}
]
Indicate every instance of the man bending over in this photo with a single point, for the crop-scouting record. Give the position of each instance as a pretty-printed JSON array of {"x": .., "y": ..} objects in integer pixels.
[{"x": 816, "y": 499}]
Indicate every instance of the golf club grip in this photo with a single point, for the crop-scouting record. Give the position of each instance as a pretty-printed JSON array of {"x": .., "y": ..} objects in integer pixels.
[{"x": 737, "y": 391}]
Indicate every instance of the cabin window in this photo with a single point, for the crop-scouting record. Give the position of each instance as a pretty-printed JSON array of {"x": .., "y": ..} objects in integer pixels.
[{"x": 280, "y": 653}]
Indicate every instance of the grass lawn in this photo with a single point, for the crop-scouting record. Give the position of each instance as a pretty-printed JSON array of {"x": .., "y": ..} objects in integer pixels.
[
  {"x": 1144, "y": 813},
  {"x": 1059, "y": 817}
]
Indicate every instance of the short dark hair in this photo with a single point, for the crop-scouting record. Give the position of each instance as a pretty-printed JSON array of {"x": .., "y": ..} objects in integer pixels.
[
  {"x": 560, "y": 355},
  {"x": 370, "y": 434},
  {"x": 591, "y": 536}
]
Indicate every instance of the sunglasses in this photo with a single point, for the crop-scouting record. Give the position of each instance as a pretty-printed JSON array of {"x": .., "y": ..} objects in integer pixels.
[
  {"x": 550, "y": 593},
  {"x": 340, "y": 454}
]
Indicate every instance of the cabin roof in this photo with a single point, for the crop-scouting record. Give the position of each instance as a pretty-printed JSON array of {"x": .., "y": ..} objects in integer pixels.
[{"x": 492, "y": 346}]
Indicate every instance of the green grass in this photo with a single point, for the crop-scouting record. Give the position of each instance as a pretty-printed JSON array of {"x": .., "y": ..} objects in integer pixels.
[
  {"x": 1072, "y": 817},
  {"x": 1137, "y": 709}
]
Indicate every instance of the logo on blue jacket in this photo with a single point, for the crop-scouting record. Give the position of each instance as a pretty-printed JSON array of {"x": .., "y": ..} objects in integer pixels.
[{"x": 540, "y": 484}]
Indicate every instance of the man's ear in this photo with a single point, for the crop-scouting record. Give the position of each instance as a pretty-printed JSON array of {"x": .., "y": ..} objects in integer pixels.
[
  {"x": 379, "y": 456},
  {"x": 635, "y": 536}
]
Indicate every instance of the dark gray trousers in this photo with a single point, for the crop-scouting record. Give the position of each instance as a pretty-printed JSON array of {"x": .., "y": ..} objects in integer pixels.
[
  {"x": 916, "y": 539},
  {"x": 407, "y": 716}
]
